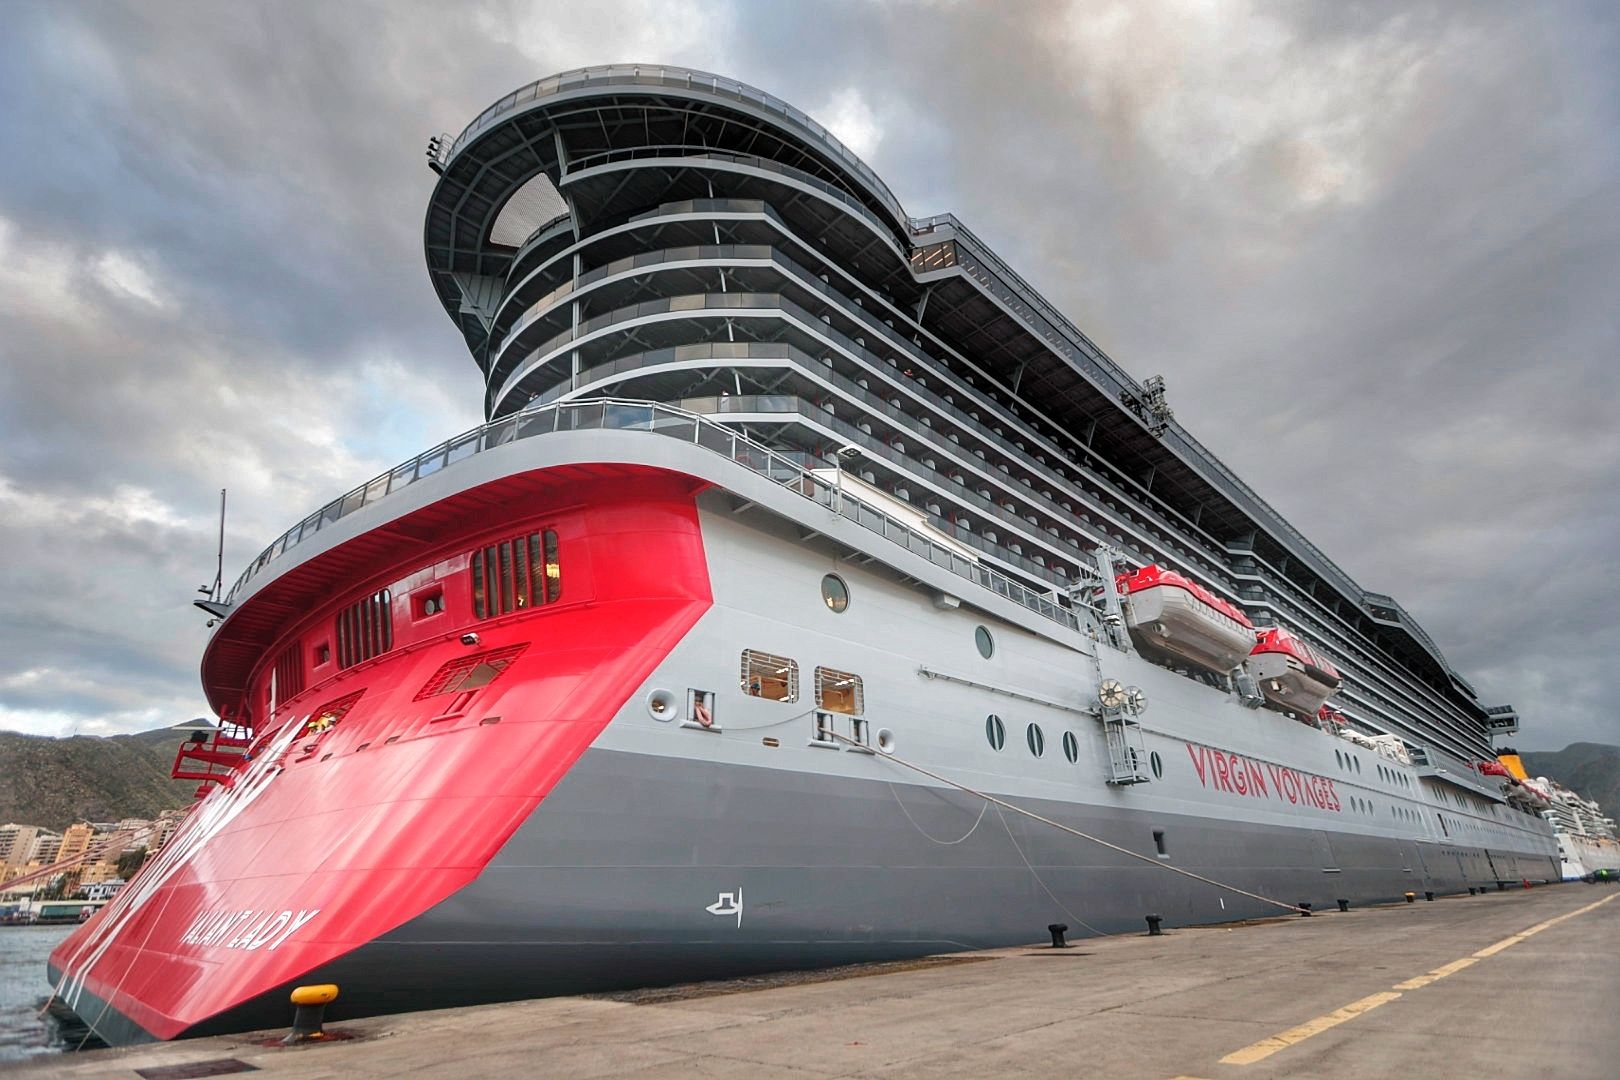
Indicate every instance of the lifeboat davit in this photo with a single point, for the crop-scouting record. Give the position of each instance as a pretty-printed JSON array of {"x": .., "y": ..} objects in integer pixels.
[
  {"x": 1293, "y": 676},
  {"x": 1173, "y": 615}
]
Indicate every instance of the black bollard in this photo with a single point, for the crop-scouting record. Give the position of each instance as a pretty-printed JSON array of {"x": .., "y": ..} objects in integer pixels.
[
  {"x": 1344, "y": 905},
  {"x": 1471, "y": 890},
  {"x": 1501, "y": 886},
  {"x": 1304, "y": 908},
  {"x": 1410, "y": 897},
  {"x": 1153, "y": 922},
  {"x": 1428, "y": 896},
  {"x": 1058, "y": 929},
  {"x": 309, "y": 1006}
]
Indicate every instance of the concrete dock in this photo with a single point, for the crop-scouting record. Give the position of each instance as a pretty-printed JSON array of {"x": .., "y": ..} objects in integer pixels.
[{"x": 1518, "y": 983}]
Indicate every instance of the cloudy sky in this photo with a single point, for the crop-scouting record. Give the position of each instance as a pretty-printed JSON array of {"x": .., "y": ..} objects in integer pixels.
[{"x": 1374, "y": 249}]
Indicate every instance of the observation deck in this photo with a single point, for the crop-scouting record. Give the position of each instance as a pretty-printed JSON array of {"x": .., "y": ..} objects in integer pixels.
[{"x": 665, "y": 235}]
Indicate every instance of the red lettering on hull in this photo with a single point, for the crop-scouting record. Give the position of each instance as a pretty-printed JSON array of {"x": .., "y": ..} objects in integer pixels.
[{"x": 1255, "y": 779}]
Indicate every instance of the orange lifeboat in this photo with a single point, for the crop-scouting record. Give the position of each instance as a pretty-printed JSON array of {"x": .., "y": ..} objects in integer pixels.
[
  {"x": 1173, "y": 615},
  {"x": 1293, "y": 676}
]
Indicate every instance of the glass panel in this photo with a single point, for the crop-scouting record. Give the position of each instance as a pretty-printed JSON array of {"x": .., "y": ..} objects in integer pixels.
[
  {"x": 507, "y": 589},
  {"x": 537, "y": 572},
  {"x": 478, "y": 584},
  {"x": 553, "y": 569},
  {"x": 520, "y": 572}
]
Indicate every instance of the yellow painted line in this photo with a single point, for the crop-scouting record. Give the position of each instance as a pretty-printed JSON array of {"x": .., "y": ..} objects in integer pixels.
[
  {"x": 1437, "y": 974},
  {"x": 1266, "y": 1047},
  {"x": 1508, "y": 942}
]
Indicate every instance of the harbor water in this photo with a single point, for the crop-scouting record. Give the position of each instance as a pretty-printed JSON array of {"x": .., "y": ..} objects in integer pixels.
[{"x": 26, "y": 1030}]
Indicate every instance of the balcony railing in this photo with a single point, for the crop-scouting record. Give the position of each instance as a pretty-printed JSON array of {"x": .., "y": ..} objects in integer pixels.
[{"x": 655, "y": 418}]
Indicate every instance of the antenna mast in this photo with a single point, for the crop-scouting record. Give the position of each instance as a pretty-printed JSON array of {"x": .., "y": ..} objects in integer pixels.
[{"x": 219, "y": 559}]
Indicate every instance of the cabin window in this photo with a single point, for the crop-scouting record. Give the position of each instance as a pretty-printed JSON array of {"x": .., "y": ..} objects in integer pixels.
[
  {"x": 323, "y": 654},
  {"x": 1071, "y": 747},
  {"x": 995, "y": 731},
  {"x": 1036, "y": 739},
  {"x": 1156, "y": 763},
  {"x": 834, "y": 593},
  {"x": 764, "y": 675},
  {"x": 515, "y": 574},
  {"x": 365, "y": 629},
  {"x": 986, "y": 644},
  {"x": 1159, "y": 845},
  {"x": 839, "y": 692}
]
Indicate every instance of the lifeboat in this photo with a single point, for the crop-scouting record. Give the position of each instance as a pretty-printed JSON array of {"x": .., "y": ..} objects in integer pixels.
[
  {"x": 1172, "y": 615},
  {"x": 1291, "y": 674}
]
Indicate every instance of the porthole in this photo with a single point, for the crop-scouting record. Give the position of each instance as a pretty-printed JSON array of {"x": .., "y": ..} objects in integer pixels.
[
  {"x": 1071, "y": 746},
  {"x": 995, "y": 731},
  {"x": 834, "y": 593},
  {"x": 986, "y": 643},
  {"x": 1339, "y": 758},
  {"x": 1157, "y": 765},
  {"x": 1358, "y": 764},
  {"x": 1036, "y": 739}
]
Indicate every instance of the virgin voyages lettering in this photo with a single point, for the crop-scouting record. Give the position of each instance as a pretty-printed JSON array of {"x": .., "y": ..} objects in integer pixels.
[{"x": 1261, "y": 779}]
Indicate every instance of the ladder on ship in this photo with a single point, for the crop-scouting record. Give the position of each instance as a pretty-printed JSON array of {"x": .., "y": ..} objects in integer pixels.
[{"x": 1121, "y": 705}]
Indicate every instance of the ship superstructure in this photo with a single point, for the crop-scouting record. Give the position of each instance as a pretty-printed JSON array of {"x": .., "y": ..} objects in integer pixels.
[{"x": 780, "y": 489}]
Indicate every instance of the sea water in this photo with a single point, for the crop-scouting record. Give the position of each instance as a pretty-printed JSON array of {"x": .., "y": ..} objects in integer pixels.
[{"x": 26, "y": 1028}]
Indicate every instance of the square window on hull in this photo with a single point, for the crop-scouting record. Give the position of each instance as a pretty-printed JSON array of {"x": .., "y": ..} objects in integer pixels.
[{"x": 765, "y": 675}]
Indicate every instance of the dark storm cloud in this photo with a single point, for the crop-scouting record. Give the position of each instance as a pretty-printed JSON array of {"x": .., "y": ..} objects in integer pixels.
[{"x": 1373, "y": 248}]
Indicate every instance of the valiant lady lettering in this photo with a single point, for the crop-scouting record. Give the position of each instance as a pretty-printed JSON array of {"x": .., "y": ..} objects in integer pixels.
[{"x": 249, "y": 929}]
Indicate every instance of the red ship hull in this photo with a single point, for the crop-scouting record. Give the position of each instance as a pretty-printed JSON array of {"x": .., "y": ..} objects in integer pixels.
[{"x": 328, "y": 839}]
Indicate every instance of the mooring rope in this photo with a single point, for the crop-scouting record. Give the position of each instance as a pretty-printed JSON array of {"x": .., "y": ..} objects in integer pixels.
[{"x": 1004, "y": 804}]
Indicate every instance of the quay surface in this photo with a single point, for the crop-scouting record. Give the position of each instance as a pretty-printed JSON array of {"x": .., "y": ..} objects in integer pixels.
[{"x": 1516, "y": 983}]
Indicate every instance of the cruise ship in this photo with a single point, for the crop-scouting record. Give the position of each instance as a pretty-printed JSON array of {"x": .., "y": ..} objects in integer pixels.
[{"x": 814, "y": 593}]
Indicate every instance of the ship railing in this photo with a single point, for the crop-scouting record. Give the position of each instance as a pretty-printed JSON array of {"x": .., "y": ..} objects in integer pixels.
[
  {"x": 781, "y": 467},
  {"x": 678, "y": 78}
]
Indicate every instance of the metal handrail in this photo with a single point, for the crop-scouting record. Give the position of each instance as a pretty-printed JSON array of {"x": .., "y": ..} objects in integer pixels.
[
  {"x": 661, "y": 419},
  {"x": 679, "y": 78}
]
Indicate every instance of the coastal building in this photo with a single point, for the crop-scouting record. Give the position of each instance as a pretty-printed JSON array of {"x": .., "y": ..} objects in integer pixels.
[
  {"x": 16, "y": 843},
  {"x": 103, "y": 890},
  {"x": 76, "y": 840},
  {"x": 47, "y": 848}
]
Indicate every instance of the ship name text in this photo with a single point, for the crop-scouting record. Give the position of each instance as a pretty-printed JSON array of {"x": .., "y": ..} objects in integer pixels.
[
  {"x": 249, "y": 929},
  {"x": 1225, "y": 771}
]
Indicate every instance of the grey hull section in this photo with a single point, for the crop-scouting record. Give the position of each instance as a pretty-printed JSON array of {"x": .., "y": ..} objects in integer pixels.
[{"x": 621, "y": 879}]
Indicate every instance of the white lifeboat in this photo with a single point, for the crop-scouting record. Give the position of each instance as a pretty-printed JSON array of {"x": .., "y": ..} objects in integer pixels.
[
  {"x": 1170, "y": 614},
  {"x": 1293, "y": 676}
]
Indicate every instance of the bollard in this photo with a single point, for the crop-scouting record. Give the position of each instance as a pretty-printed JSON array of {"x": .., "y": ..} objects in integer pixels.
[
  {"x": 1058, "y": 929},
  {"x": 1411, "y": 897},
  {"x": 1501, "y": 886},
  {"x": 1304, "y": 908},
  {"x": 1527, "y": 883},
  {"x": 309, "y": 1005},
  {"x": 1428, "y": 896},
  {"x": 1470, "y": 890},
  {"x": 1153, "y": 922},
  {"x": 1344, "y": 905}
]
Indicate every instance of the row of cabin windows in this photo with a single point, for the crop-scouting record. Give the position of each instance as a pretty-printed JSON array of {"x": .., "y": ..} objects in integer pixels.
[
  {"x": 776, "y": 678},
  {"x": 512, "y": 575},
  {"x": 515, "y": 574}
]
